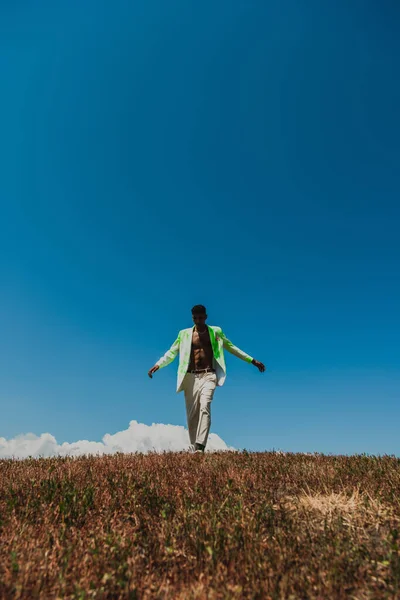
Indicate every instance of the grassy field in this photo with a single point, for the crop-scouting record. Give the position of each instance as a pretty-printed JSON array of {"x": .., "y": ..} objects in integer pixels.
[{"x": 259, "y": 525}]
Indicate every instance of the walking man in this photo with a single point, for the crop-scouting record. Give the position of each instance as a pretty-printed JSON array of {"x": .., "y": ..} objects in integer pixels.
[{"x": 201, "y": 368}]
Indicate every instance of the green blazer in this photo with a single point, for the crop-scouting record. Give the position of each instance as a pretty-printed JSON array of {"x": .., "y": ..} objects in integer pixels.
[{"x": 183, "y": 345}]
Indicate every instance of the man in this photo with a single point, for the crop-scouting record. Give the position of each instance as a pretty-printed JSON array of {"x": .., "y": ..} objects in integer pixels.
[{"x": 201, "y": 369}]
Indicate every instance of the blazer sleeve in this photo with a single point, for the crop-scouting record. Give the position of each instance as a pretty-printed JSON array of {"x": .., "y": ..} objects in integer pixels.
[
  {"x": 234, "y": 349},
  {"x": 170, "y": 354}
]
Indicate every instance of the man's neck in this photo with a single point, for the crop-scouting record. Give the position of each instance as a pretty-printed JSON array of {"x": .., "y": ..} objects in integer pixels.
[{"x": 200, "y": 330}]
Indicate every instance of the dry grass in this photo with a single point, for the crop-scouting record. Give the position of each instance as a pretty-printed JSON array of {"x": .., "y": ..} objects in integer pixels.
[{"x": 226, "y": 525}]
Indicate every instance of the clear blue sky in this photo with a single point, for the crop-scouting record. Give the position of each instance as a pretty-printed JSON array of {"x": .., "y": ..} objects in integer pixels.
[{"x": 242, "y": 155}]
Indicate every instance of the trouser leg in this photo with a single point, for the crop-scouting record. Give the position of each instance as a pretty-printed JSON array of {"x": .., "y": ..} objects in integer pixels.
[
  {"x": 206, "y": 393},
  {"x": 199, "y": 392},
  {"x": 192, "y": 406}
]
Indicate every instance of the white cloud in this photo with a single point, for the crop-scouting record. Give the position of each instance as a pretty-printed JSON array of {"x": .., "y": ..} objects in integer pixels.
[{"x": 137, "y": 438}]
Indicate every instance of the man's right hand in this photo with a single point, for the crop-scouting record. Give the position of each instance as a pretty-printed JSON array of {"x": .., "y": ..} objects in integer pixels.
[{"x": 153, "y": 370}]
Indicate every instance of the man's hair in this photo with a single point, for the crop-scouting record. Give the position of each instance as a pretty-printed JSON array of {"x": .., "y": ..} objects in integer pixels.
[{"x": 198, "y": 309}]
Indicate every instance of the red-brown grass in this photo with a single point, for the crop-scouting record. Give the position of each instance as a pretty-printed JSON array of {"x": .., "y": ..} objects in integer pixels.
[{"x": 242, "y": 525}]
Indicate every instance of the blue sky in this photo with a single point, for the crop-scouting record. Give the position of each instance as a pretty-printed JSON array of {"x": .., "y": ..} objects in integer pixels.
[{"x": 242, "y": 155}]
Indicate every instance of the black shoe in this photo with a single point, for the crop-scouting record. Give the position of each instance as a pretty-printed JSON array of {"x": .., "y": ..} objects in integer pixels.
[{"x": 199, "y": 447}]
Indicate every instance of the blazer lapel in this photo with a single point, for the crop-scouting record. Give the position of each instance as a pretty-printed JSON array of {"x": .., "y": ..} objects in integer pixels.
[{"x": 214, "y": 343}]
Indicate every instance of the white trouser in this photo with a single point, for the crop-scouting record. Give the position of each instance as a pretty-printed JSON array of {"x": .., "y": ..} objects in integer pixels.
[{"x": 199, "y": 390}]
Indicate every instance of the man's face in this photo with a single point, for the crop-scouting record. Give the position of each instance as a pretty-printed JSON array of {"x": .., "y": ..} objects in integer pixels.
[{"x": 199, "y": 319}]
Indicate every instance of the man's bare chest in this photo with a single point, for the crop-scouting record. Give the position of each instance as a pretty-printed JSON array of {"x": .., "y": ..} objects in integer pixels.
[{"x": 201, "y": 342}]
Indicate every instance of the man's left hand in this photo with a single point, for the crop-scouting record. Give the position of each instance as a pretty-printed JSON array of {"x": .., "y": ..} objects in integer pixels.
[{"x": 259, "y": 365}]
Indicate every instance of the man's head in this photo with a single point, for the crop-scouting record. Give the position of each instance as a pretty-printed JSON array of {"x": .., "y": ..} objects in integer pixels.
[{"x": 199, "y": 314}]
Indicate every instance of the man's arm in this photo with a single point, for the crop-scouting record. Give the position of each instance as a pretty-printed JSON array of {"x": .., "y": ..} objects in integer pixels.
[
  {"x": 234, "y": 349},
  {"x": 239, "y": 353},
  {"x": 167, "y": 358},
  {"x": 170, "y": 354}
]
